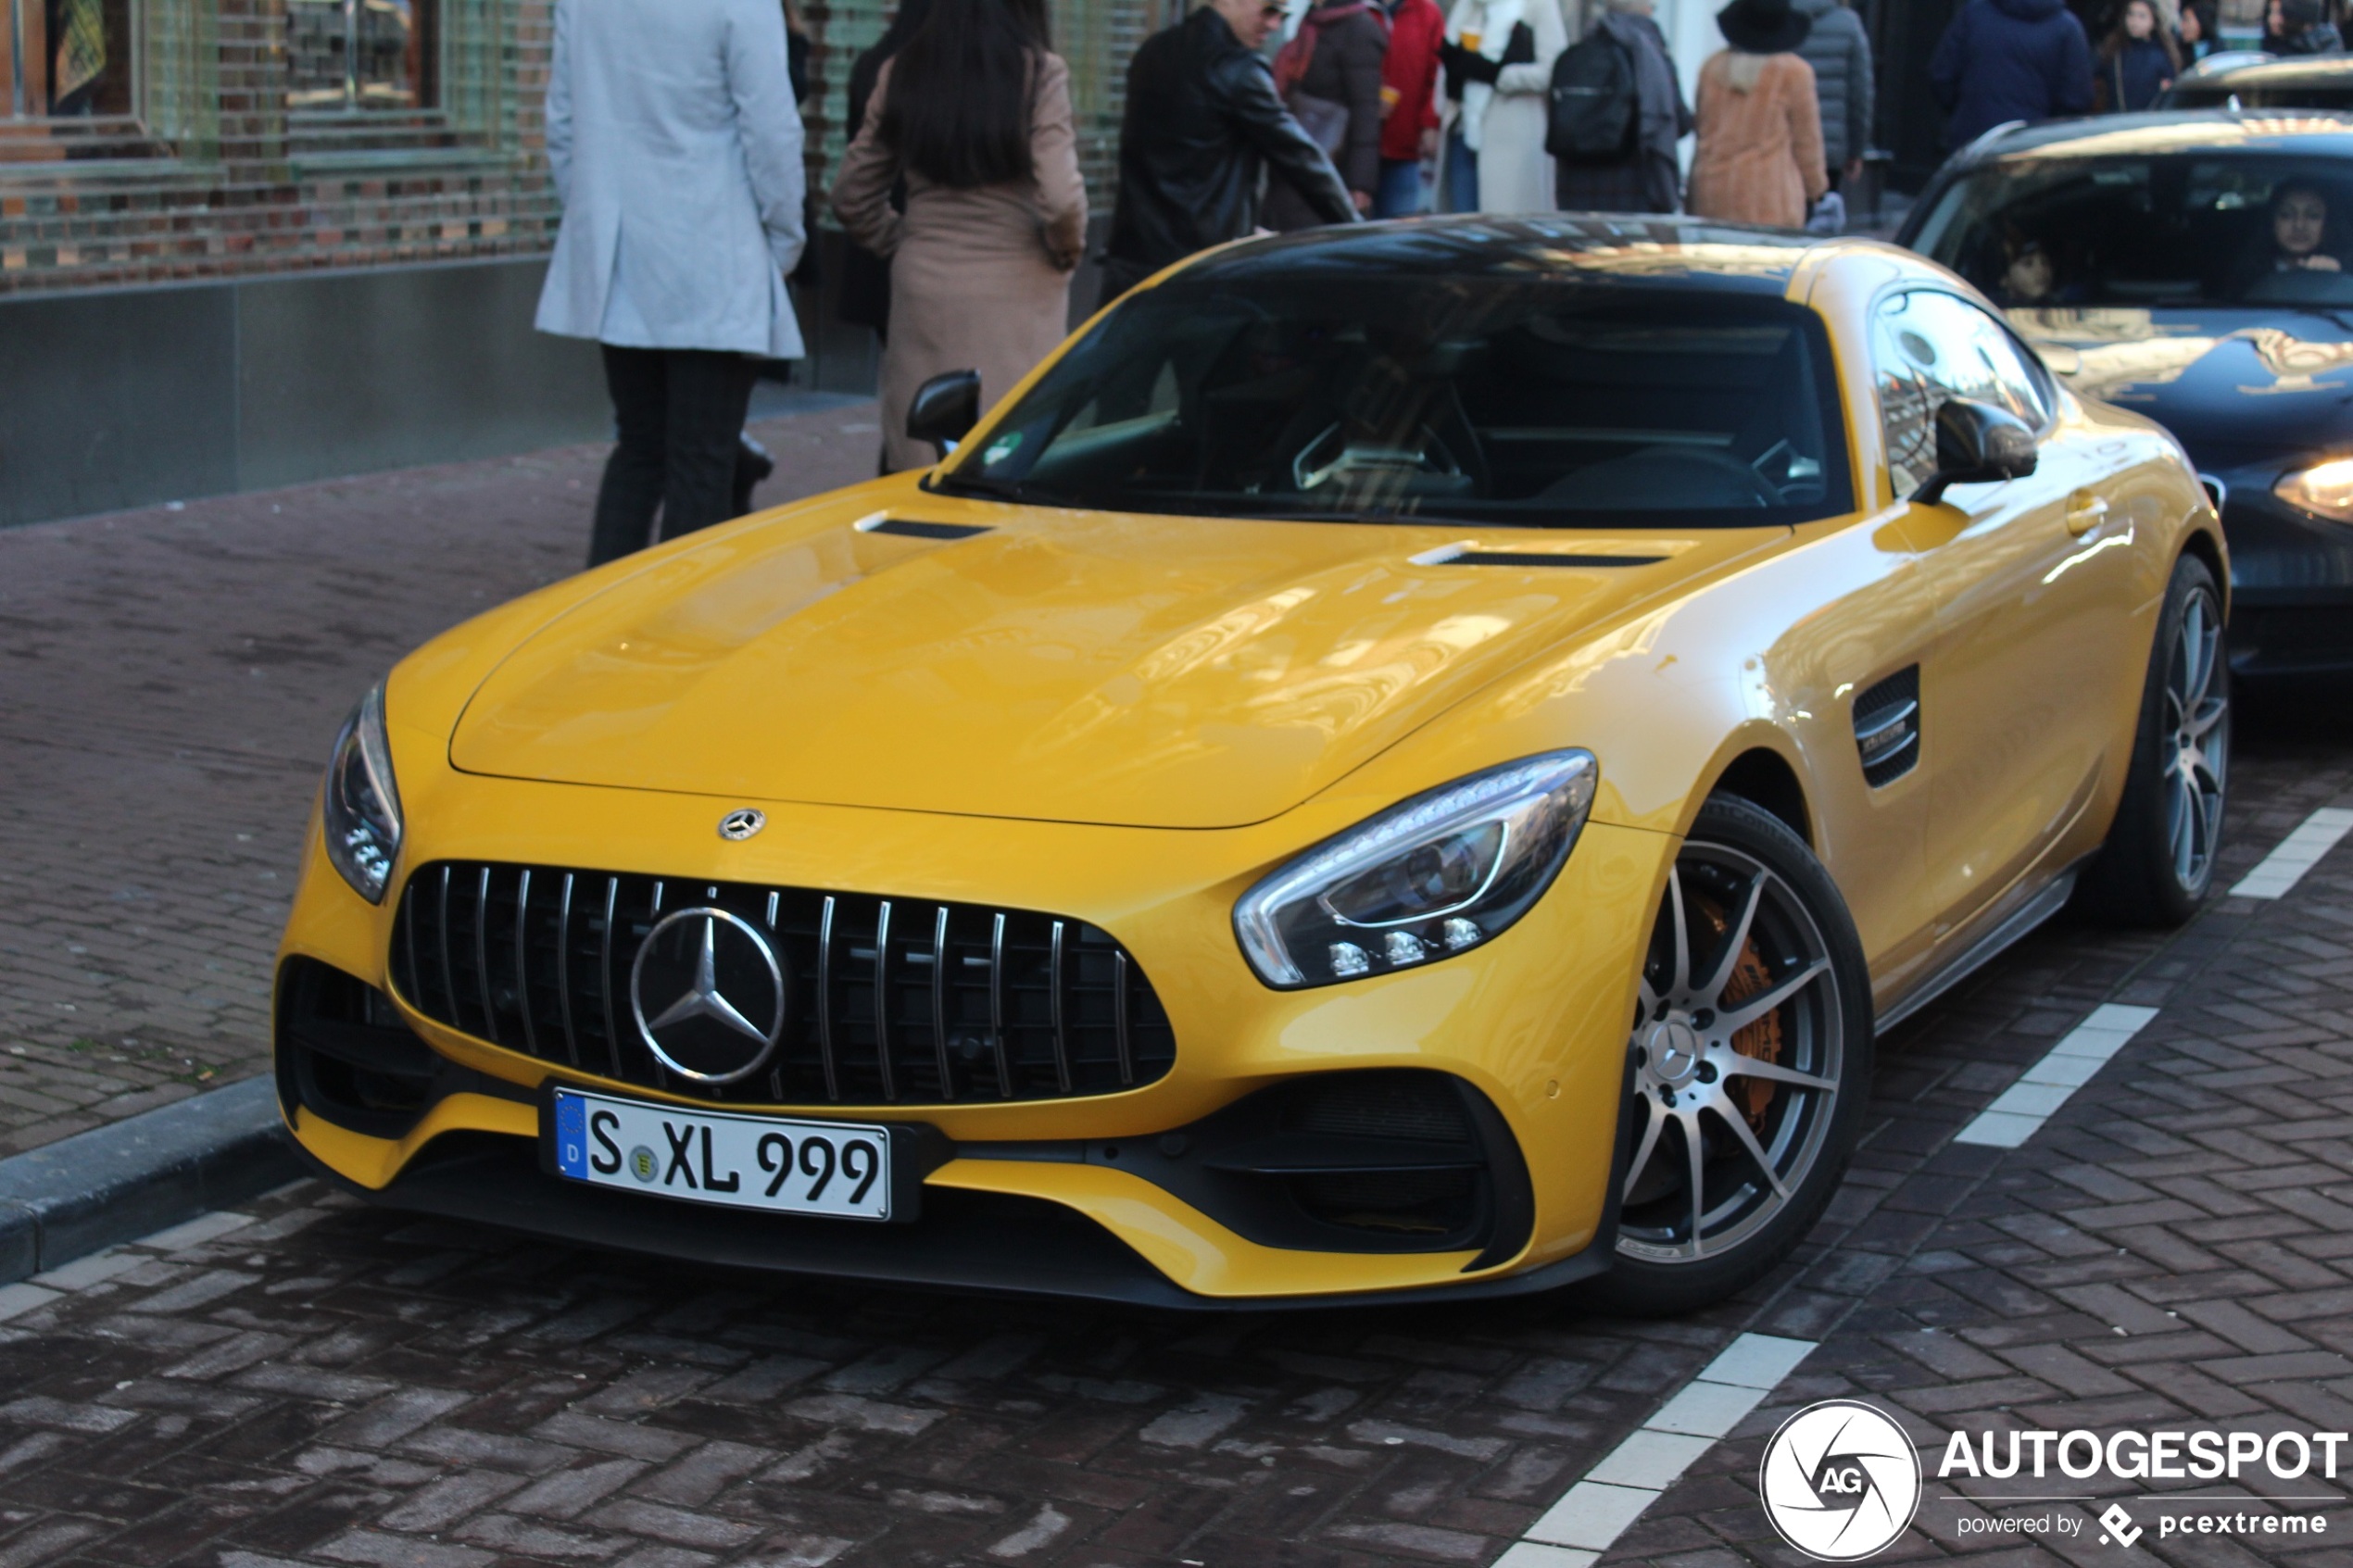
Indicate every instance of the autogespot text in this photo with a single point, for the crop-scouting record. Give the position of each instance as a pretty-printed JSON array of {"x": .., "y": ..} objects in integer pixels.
[{"x": 2203, "y": 1455}]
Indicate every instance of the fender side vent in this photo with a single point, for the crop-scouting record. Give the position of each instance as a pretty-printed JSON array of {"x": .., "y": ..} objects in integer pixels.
[
  {"x": 908, "y": 528},
  {"x": 1887, "y": 727}
]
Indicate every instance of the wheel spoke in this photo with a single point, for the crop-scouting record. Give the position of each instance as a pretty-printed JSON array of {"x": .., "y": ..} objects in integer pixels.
[
  {"x": 1651, "y": 1126},
  {"x": 1690, "y": 1123},
  {"x": 2203, "y": 719},
  {"x": 1753, "y": 1007},
  {"x": 1750, "y": 1067},
  {"x": 2178, "y": 811},
  {"x": 1747, "y": 1138},
  {"x": 1679, "y": 983},
  {"x": 1711, "y": 991}
]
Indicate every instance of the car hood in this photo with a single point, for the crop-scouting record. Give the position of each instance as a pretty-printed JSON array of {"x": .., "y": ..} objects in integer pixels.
[
  {"x": 1075, "y": 667},
  {"x": 2226, "y": 382}
]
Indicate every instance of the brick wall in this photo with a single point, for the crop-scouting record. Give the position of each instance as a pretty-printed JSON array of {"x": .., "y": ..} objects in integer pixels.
[{"x": 212, "y": 176}]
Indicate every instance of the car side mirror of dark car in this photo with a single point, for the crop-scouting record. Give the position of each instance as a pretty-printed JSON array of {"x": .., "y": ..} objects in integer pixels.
[
  {"x": 945, "y": 410},
  {"x": 1976, "y": 443}
]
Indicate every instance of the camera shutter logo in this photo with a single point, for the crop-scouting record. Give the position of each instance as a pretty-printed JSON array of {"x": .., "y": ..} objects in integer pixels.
[{"x": 1840, "y": 1481}]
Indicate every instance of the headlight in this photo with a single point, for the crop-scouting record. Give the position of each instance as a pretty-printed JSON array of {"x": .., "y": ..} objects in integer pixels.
[
  {"x": 1431, "y": 877},
  {"x": 2325, "y": 489},
  {"x": 362, "y": 815}
]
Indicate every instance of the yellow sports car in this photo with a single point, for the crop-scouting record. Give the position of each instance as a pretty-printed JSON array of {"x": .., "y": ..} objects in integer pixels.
[{"x": 1404, "y": 761}]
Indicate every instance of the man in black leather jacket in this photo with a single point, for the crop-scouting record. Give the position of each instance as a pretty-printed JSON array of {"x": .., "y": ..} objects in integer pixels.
[{"x": 1202, "y": 118}]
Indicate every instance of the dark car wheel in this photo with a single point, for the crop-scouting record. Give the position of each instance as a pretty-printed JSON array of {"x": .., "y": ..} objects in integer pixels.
[
  {"x": 1751, "y": 1066},
  {"x": 2158, "y": 860}
]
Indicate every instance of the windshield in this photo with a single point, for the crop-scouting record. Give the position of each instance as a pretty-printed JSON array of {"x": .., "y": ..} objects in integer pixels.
[
  {"x": 1556, "y": 402},
  {"x": 2157, "y": 231}
]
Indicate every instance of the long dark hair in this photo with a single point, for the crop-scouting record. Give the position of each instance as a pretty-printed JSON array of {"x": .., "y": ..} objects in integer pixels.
[
  {"x": 2117, "y": 39},
  {"x": 958, "y": 113}
]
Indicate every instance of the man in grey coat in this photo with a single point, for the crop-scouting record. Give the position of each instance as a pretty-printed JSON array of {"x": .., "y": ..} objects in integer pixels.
[
  {"x": 677, "y": 150},
  {"x": 1839, "y": 52}
]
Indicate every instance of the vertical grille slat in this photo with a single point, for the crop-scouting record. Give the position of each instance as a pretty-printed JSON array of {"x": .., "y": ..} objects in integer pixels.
[
  {"x": 563, "y": 971},
  {"x": 1061, "y": 1009}
]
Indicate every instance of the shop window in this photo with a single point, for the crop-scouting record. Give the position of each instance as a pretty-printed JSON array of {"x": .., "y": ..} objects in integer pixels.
[
  {"x": 345, "y": 56},
  {"x": 71, "y": 60}
]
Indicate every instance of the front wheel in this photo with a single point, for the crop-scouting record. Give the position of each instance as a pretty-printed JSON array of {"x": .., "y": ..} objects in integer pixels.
[
  {"x": 1750, "y": 1067},
  {"x": 2158, "y": 860}
]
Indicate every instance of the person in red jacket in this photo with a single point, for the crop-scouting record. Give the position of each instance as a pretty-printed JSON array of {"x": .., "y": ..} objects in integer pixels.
[{"x": 1409, "y": 97}]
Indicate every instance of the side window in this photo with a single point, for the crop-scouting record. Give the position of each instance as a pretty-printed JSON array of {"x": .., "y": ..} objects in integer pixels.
[{"x": 1932, "y": 346}]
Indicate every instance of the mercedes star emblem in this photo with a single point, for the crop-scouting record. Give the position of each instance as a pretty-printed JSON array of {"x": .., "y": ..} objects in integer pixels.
[
  {"x": 728, "y": 1012},
  {"x": 741, "y": 824}
]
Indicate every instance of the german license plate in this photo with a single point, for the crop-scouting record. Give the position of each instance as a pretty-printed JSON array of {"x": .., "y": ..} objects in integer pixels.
[{"x": 838, "y": 1169}]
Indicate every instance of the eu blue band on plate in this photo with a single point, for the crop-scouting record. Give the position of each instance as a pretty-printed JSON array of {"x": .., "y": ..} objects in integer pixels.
[{"x": 571, "y": 1135}]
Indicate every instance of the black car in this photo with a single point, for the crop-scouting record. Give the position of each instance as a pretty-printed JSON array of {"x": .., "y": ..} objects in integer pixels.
[
  {"x": 2254, "y": 82},
  {"x": 2197, "y": 267}
]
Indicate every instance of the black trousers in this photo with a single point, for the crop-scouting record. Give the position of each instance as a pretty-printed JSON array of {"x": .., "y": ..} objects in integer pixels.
[{"x": 680, "y": 413}]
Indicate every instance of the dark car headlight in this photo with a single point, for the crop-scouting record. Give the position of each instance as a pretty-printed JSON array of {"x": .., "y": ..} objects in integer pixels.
[
  {"x": 1429, "y": 877},
  {"x": 2324, "y": 489},
  {"x": 362, "y": 811}
]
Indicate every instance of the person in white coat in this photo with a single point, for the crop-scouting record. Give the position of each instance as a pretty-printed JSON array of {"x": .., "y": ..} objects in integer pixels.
[
  {"x": 1498, "y": 57},
  {"x": 677, "y": 150}
]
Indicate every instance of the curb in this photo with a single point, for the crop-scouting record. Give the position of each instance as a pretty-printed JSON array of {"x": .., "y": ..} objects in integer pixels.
[{"x": 140, "y": 1176}]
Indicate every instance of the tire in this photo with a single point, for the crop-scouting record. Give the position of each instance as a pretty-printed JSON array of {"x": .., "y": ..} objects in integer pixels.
[
  {"x": 2158, "y": 861},
  {"x": 1777, "y": 1099}
]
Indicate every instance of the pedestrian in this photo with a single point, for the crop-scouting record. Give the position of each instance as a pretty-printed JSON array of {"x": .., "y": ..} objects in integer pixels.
[
  {"x": 1203, "y": 123},
  {"x": 2138, "y": 60},
  {"x": 973, "y": 113},
  {"x": 1644, "y": 176},
  {"x": 2197, "y": 38},
  {"x": 1330, "y": 78},
  {"x": 864, "y": 299},
  {"x": 1839, "y": 51},
  {"x": 2302, "y": 27},
  {"x": 1499, "y": 57},
  {"x": 1409, "y": 97},
  {"x": 672, "y": 123},
  {"x": 1759, "y": 158},
  {"x": 2002, "y": 60}
]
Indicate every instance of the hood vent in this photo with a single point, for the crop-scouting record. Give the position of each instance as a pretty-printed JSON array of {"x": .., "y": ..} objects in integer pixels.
[
  {"x": 1456, "y": 555},
  {"x": 909, "y": 527},
  {"x": 1887, "y": 727}
]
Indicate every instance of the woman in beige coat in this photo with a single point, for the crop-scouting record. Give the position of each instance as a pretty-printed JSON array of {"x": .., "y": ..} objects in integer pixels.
[
  {"x": 1760, "y": 127},
  {"x": 973, "y": 113}
]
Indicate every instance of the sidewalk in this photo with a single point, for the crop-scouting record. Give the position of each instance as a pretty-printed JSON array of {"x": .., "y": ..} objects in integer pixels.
[{"x": 172, "y": 679}]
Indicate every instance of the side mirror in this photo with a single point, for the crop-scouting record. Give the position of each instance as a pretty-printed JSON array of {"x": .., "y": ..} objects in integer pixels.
[
  {"x": 1976, "y": 443},
  {"x": 945, "y": 410}
]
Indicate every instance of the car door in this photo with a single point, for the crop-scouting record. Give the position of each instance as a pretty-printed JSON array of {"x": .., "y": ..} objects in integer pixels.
[{"x": 2033, "y": 597}]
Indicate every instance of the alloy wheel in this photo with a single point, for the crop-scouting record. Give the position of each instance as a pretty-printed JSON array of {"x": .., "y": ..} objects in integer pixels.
[
  {"x": 2196, "y": 723},
  {"x": 1738, "y": 1050}
]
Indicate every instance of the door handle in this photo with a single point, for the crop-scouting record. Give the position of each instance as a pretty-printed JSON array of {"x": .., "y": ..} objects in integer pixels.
[{"x": 2085, "y": 511}]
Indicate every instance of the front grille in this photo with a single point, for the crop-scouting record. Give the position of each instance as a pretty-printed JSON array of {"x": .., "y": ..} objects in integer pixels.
[{"x": 887, "y": 1001}]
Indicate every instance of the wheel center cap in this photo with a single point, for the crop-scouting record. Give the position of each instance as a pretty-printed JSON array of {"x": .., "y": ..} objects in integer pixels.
[{"x": 1674, "y": 1049}]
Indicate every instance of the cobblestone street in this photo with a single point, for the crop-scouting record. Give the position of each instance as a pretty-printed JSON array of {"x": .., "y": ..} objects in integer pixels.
[
  {"x": 169, "y": 683},
  {"x": 314, "y": 1382}
]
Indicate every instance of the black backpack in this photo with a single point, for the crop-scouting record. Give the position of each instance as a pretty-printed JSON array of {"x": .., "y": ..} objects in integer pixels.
[{"x": 1594, "y": 106}]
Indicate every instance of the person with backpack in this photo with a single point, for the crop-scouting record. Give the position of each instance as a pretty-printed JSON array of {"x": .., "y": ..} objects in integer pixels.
[
  {"x": 1617, "y": 113},
  {"x": 1839, "y": 51},
  {"x": 1329, "y": 75}
]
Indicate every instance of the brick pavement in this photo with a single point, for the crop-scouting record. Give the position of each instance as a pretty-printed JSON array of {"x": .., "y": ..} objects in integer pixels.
[
  {"x": 332, "y": 1385},
  {"x": 170, "y": 681}
]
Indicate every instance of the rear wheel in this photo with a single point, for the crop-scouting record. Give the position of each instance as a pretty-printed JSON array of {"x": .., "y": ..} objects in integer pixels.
[
  {"x": 2158, "y": 861},
  {"x": 1750, "y": 1068}
]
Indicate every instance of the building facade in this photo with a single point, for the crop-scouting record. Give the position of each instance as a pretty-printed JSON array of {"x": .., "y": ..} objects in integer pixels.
[{"x": 247, "y": 243}]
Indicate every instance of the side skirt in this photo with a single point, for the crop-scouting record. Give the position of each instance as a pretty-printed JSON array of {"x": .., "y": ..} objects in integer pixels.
[{"x": 2046, "y": 903}]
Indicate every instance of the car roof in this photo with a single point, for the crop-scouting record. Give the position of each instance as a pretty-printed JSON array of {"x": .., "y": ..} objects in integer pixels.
[
  {"x": 1669, "y": 252},
  {"x": 2325, "y": 133},
  {"x": 2305, "y": 71}
]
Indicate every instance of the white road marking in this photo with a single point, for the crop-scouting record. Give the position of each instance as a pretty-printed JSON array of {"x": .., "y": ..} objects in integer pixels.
[
  {"x": 2296, "y": 854},
  {"x": 83, "y": 1273},
  {"x": 15, "y": 1300},
  {"x": 2018, "y": 1112},
  {"x": 1591, "y": 1514},
  {"x": 203, "y": 1228}
]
